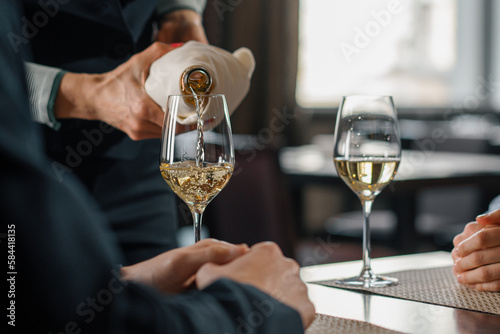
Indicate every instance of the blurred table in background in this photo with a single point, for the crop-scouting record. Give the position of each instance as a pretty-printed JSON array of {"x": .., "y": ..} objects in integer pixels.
[{"x": 419, "y": 169}]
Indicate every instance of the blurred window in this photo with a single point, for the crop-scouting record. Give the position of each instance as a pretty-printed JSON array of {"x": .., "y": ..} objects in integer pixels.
[{"x": 425, "y": 53}]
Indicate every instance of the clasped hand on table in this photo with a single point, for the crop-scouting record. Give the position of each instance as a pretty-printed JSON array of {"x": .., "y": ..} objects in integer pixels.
[
  {"x": 476, "y": 253},
  {"x": 262, "y": 266}
]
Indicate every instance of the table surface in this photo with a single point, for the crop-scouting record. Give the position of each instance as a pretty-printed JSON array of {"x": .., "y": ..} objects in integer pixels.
[{"x": 396, "y": 314}]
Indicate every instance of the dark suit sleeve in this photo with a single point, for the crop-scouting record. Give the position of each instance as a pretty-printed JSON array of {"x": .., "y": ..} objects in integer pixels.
[{"x": 65, "y": 279}]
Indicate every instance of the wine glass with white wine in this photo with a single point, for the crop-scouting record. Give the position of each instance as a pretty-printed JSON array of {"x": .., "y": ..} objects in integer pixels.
[
  {"x": 197, "y": 154},
  {"x": 367, "y": 154}
]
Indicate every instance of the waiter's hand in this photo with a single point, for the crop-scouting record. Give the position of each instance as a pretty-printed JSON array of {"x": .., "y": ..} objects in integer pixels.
[
  {"x": 116, "y": 97},
  {"x": 476, "y": 254},
  {"x": 174, "y": 271},
  {"x": 181, "y": 26}
]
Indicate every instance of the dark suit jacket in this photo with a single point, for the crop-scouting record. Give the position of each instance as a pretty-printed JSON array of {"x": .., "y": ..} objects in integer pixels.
[
  {"x": 95, "y": 36},
  {"x": 91, "y": 36},
  {"x": 65, "y": 278}
]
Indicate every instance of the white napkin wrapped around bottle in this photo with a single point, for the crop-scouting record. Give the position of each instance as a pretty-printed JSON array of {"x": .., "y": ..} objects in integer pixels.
[{"x": 230, "y": 73}]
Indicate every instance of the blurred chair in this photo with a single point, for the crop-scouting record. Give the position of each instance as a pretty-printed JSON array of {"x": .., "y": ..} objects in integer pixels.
[{"x": 465, "y": 145}]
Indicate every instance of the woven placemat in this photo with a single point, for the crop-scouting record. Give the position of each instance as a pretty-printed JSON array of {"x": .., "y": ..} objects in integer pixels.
[
  {"x": 434, "y": 286},
  {"x": 325, "y": 324}
]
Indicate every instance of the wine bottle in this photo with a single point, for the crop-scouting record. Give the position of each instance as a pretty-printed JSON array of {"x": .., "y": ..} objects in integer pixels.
[{"x": 196, "y": 80}]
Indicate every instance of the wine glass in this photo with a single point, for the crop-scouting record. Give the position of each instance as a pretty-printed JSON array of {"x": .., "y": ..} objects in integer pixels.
[
  {"x": 197, "y": 154},
  {"x": 367, "y": 153}
]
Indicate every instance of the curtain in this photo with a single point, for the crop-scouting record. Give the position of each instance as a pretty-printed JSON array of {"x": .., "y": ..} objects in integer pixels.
[
  {"x": 270, "y": 30},
  {"x": 254, "y": 206}
]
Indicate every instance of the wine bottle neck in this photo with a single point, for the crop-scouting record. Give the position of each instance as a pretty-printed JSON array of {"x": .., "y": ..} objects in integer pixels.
[{"x": 196, "y": 80}]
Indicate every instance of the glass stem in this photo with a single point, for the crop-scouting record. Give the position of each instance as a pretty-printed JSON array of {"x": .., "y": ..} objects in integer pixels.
[
  {"x": 367, "y": 270},
  {"x": 197, "y": 217}
]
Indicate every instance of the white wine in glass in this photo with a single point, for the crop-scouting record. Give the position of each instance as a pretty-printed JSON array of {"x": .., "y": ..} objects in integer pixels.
[
  {"x": 367, "y": 154},
  {"x": 197, "y": 154}
]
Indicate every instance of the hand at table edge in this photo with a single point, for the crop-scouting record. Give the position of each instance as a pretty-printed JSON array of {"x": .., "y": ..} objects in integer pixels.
[{"x": 476, "y": 253}]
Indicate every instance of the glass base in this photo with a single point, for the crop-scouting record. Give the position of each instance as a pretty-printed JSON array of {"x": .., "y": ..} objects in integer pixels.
[{"x": 368, "y": 280}]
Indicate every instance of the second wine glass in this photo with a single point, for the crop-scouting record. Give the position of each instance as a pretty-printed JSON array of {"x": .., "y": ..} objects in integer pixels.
[
  {"x": 367, "y": 154},
  {"x": 197, "y": 154}
]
